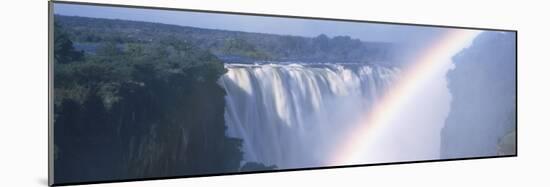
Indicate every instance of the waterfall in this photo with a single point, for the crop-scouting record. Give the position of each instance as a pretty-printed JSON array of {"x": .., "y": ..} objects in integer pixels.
[{"x": 291, "y": 114}]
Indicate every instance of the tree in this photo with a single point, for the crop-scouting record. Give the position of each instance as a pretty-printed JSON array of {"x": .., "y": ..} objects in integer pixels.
[
  {"x": 64, "y": 51},
  {"x": 323, "y": 42},
  {"x": 108, "y": 49}
]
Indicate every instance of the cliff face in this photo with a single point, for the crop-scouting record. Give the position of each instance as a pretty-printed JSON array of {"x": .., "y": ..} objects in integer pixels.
[
  {"x": 483, "y": 98},
  {"x": 141, "y": 110}
]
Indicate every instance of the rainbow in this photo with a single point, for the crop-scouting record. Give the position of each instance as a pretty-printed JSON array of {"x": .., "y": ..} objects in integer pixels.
[{"x": 370, "y": 128}]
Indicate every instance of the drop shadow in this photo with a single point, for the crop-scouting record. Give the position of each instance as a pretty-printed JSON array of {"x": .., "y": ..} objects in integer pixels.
[{"x": 42, "y": 181}]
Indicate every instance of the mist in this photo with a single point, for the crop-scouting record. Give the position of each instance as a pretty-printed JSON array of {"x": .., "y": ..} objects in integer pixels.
[
  {"x": 414, "y": 134},
  {"x": 482, "y": 118}
]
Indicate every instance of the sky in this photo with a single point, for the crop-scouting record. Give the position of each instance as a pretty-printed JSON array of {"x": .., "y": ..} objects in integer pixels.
[{"x": 274, "y": 25}]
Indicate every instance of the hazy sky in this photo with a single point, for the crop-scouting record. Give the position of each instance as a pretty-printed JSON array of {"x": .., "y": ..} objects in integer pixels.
[{"x": 274, "y": 25}]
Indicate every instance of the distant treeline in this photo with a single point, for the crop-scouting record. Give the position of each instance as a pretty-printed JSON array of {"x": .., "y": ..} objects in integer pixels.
[{"x": 226, "y": 45}]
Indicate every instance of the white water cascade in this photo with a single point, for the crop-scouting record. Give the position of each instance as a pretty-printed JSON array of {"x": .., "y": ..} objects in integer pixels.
[{"x": 290, "y": 115}]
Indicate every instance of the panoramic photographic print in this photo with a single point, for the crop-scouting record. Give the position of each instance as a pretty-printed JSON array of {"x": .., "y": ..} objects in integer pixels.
[{"x": 142, "y": 93}]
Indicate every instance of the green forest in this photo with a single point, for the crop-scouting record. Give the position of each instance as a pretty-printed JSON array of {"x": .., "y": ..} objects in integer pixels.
[
  {"x": 138, "y": 109},
  {"x": 89, "y": 33}
]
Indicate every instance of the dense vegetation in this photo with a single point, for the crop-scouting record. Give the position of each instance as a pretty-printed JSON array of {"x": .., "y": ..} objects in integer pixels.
[
  {"x": 137, "y": 108},
  {"x": 227, "y": 45}
]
